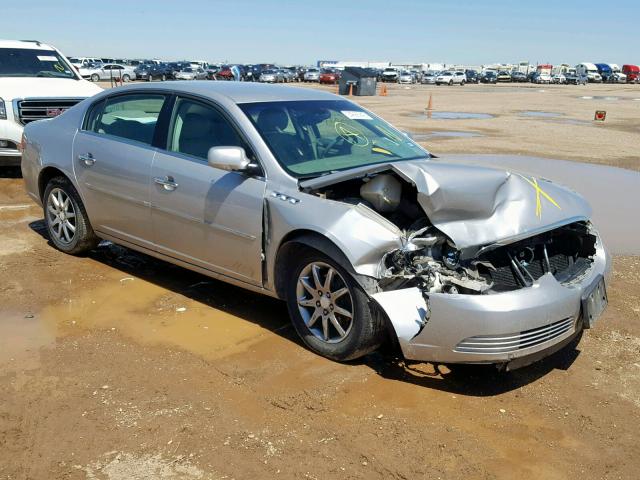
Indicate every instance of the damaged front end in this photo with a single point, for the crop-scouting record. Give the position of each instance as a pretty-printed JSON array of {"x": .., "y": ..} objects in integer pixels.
[{"x": 492, "y": 265}]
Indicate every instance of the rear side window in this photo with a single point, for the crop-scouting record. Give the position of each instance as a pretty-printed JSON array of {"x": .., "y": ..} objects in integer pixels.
[{"x": 133, "y": 117}]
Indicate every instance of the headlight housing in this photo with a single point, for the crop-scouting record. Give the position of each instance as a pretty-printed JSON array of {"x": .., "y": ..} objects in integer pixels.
[{"x": 3, "y": 110}]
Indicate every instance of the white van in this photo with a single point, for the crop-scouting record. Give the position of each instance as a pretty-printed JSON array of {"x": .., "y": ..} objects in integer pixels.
[
  {"x": 36, "y": 82},
  {"x": 590, "y": 70}
]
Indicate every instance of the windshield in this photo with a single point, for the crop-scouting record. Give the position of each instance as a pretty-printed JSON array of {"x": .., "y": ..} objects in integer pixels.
[
  {"x": 314, "y": 137},
  {"x": 23, "y": 62}
]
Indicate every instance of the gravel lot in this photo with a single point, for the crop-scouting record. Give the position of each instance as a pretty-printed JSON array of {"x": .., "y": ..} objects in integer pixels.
[{"x": 117, "y": 366}]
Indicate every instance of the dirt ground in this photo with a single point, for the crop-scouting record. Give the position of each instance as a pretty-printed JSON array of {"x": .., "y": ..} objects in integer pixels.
[{"x": 117, "y": 366}]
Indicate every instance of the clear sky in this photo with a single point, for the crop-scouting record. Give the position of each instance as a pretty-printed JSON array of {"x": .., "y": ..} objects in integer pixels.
[{"x": 301, "y": 32}]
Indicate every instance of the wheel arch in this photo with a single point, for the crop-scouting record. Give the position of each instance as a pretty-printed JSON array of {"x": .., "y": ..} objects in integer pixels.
[
  {"x": 300, "y": 239},
  {"x": 46, "y": 174}
]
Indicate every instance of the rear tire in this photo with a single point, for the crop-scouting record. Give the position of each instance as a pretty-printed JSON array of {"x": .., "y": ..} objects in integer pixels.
[
  {"x": 95, "y": 77},
  {"x": 66, "y": 218},
  {"x": 330, "y": 311}
]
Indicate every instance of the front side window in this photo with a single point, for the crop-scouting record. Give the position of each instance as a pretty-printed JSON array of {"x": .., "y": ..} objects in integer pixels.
[
  {"x": 197, "y": 127},
  {"x": 26, "y": 62},
  {"x": 133, "y": 117},
  {"x": 310, "y": 138}
]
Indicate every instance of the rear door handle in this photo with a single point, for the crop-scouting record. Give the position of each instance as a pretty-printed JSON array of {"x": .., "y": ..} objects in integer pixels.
[
  {"x": 167, "y": 183},
  {"x": 87, "y": 159}
]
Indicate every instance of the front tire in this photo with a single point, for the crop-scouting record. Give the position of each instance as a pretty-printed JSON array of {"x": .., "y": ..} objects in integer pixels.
[
  {"x": 126, "y": 78},
  {"x": 95, "y": 77},
  {"x": 66, "y": 218},
  {"x": 329, "y": 309}
]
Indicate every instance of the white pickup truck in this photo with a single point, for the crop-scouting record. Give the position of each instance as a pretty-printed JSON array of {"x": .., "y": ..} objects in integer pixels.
[{"x": 36, "y": 82}]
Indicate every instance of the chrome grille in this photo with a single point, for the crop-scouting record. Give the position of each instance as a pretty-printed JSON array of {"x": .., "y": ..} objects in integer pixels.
[
  {"x": 512, "y": 342},
  {"x": 32, "y": 109}
]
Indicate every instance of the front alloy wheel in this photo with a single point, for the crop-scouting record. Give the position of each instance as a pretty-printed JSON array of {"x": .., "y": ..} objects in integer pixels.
[
  {"x": 324, "y": 302},
  {"x": 329, "y": 309}
]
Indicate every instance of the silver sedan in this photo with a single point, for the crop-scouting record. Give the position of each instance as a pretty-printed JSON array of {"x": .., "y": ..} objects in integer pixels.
[
  {"x": 109, "y": 71},
  {"x": 302, "y": 195}
]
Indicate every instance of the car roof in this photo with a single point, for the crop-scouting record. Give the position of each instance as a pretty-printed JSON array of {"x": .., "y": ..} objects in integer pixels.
[
  {"x": 237, "y": 92},
  {"x": 26, "y": 44}
]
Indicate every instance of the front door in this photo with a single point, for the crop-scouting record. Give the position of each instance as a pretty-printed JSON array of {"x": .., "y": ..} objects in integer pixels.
[
  {"x": 203, "y": 215},
  {"x": 113, "y": 156}
]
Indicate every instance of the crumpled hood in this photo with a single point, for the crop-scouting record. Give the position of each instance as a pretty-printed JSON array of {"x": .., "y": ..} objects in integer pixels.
[
  {"x": 477, "y": 206},
  {"x": 25, "y": 87}
]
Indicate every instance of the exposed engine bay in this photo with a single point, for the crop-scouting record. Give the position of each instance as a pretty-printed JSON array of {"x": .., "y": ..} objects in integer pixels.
[{"x": 431, "y": 261}]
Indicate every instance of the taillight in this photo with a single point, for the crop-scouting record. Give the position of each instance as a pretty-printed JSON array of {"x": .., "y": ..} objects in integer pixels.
[{"x": 23, "y": 144}]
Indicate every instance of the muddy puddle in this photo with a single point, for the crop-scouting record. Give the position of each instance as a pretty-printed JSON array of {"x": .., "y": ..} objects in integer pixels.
[
  {"x": 452, "y": 115},
  {"x": 614, "y": 193},
  {"x": 188, "y": 311},
  {"x": 607, "y": 98},
  {"x": 423, "y": 136},
  {"x": 539, "y": 114}
]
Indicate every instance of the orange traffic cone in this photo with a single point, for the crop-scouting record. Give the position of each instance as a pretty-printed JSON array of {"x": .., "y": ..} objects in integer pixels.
[
  {"x": 383, "y": 90},
  {"x": 430, "y": 104},
  {"x": 351, "y": 89}
]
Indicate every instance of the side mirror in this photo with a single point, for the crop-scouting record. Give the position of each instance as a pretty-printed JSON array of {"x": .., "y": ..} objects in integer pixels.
[{"x": 232, "y": 159}]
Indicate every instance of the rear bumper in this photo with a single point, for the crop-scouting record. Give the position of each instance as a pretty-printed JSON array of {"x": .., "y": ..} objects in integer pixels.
[{"x": 524, "y": 325}]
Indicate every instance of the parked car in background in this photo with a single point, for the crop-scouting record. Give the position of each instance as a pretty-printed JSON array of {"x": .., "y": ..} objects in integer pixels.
[
  {"x": 312, "y": 75},
  {"x": 109, "y": 71},
  {"x": 559, "y": 78},
  {"x": 429, "y": 78},
  {"x": 287, "y": 75},
  {"x": 190, "y": 73},
  {"x": 503, "y": 76},
  {"x": 407, "y": 77},
  {"x": 572, "y": 77},
  {"x": 365, "y": 245},
  {"x": 161, "y": 72},
  {"x": 519, "y": 77},
  {"x": 271, "y": 76},
  {"x": 224, "y": 73},
  {"x": 36, "y": 82},
  {"x": 142, "y": 71},
  {"x": 472, "y": 76},
  {"x": 489, "y": 76},
  {"x": 329, "y": 76},
  {"x": 390, "y": 74},
  {"x": 451, "y": 78},
  {"x": 632, "y": 72},
  {"x": 541, "y": 77}
]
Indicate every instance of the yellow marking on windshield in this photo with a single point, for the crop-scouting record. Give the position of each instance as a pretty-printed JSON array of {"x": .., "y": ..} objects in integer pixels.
[
  {"x": 381, "y": 150},
  {"x": 351, "y": 134}
]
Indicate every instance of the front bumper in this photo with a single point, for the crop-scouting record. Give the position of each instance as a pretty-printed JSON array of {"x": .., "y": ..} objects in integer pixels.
[
  {"x": 499, "y": 328},
  {"x": 11, "y": 132}
]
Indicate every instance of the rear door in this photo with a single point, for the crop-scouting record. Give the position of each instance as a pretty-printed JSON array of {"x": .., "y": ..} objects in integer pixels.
[
  {"x": 113, "y": 155},
  {"x": 202, "y": 215}
]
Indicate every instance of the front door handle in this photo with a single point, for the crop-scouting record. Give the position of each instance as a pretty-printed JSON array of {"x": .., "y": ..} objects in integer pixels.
[
  {"x": 87, "y": 159},
  {"x": 167, "y": 183}
]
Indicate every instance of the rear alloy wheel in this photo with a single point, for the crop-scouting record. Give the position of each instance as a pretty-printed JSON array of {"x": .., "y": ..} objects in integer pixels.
[
  {"x": 330, "y": 311},
  {"x": 66, "y": 218}
]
